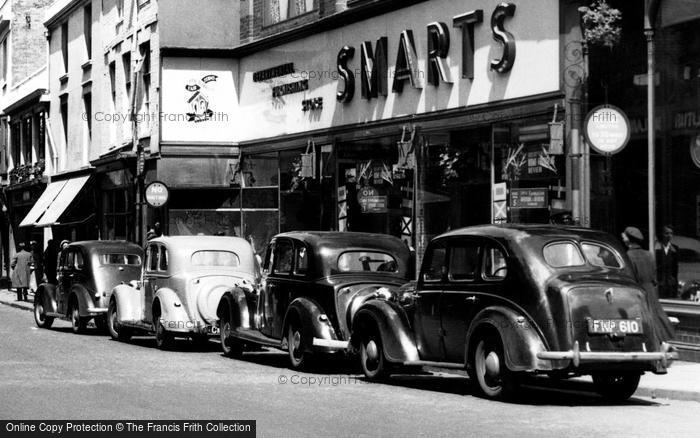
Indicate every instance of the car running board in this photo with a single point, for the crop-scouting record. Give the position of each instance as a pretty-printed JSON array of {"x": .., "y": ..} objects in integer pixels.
[
  {"x": 250, "y": 335},
  {"x": 427, "y": 363}
]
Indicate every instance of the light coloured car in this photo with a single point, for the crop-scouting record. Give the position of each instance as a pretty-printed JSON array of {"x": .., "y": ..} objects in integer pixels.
[{"x": 182, "y": 281}]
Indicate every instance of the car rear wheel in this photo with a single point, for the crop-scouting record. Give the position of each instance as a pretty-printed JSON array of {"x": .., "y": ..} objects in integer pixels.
[
  {"x": 78, "y": 324},
  {"x": 164, "y": 339},
  {"x": 230, "y": 346},
  {"x": 616, "y": 387},
  {"x": 42, "y": 321},
  {"x": 372, "y": 359},
  {"x": 297, "y": 344},
  {"x": 117, "y": 331},
  {"x": 493, "y": 378}
]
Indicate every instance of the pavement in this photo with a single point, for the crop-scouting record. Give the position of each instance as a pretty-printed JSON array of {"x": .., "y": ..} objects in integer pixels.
[{"x": 682, "y": 382}]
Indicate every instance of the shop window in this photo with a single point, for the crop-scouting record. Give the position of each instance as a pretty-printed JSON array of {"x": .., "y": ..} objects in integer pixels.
[
  {"x": 118, "y": 214},
  {"x": 276, "y": 11},
  {"x": 299, "y": 194}
]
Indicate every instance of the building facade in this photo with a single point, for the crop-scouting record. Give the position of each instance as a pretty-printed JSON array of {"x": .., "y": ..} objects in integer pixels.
[{"x": 23, "y": 106}]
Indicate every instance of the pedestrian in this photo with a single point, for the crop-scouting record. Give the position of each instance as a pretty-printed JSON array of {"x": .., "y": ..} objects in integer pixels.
[
  {"x": 22, "y": 265},
  {"x": 50, "y": 260},
  {"x": 38, "y": 256},
  {"x": 645, "y": 273},
  {"x": 667, "y": 264}
]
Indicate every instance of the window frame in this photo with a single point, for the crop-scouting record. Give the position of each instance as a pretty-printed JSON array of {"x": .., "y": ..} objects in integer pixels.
[
  {"x": 484, "y": 255},
  {"x": 562, "y": 241},
  {"x": 266, "y": 11},
  {"x": 429, "y": 256},
  {"x": 276, "y": 257},
  {"x": 462, "y": 241}
]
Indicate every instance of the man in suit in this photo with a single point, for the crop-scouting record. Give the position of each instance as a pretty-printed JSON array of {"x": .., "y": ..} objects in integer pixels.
[{"x": 667, "y": 264}]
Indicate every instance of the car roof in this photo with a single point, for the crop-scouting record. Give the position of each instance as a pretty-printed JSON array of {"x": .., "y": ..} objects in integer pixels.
[
  {"x": 512, "y": 231},
  {"x": 105, "y": 245},
  {"x": 343, "y": 239},
  {"x": 202, "y": 242}
]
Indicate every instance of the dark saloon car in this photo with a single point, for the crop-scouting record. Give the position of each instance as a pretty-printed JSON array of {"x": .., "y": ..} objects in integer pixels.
[
  {"x": 86, "y": 273},
  {"x": 312, "y": 284},
  {"x": 502, "y": 301}
]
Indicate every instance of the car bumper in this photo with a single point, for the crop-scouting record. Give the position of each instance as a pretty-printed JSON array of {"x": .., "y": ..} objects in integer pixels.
[
  {"x": 330, "y": 344},
  {"x": 665, "y": 356},
  {"x": 97, "y": 311}
]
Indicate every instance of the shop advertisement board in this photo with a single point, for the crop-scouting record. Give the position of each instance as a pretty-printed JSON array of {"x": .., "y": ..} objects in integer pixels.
[{"x": 528, "y": 198}]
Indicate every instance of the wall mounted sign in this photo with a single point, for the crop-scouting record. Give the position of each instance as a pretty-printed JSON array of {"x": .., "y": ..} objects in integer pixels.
[
  {"x": 313, "y": 104},
  {"x": 607, "y": 129},
  {"x": 273, "y": 72},
  {"x": 528, "y": 198},
  {"x": 374, "y": 67},
  {"x": 292, "y": 87},
  {"x": 156, "y": 194},
  {"x": 198, "y": 99}
]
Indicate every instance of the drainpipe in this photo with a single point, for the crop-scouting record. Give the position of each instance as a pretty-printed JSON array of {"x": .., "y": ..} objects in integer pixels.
[{"x": 651, "y": 8}]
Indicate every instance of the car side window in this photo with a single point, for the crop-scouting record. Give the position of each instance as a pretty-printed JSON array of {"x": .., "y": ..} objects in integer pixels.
[
  {"x": 268, "y": 259},
  {"x": 435, "y": 266},
  {"x": 302, "y": 260},
  {"x": 163, "y": 259},
  {"x": 464, "y": 259},
  {"x": 284, "y": 253},
  {"x": 495, "y": 265},
  {"x": 152, "y": 257},
  {"x": 78, "y": 260},
  {"x": 70, "y": 260}
]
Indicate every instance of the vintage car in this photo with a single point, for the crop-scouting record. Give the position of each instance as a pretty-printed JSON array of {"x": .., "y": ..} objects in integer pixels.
[
  {"x": 180, "y": 286},
  {"x": 313, "y": 282},
  {"x": 86, "y": 273},
  {"x": 502, "y": 301}
]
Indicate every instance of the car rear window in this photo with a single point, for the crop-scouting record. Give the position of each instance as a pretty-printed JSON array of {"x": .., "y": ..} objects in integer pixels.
[
  {"x": 364, "y": 261},
  {"x": 121, "y": 259},
  {"x": 561, "y": 254},
  {"x": 599, "y": 255},
  {"x": 215, "y": 258}
]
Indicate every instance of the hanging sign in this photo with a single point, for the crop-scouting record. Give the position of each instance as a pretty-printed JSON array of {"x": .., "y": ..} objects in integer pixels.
[
  {"x": 156, "y": 194},
  {"x": 607, "y": 129}
]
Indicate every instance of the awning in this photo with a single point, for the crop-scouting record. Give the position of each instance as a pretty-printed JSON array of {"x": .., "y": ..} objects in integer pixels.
[
  {"x": 54, "y": 201},
  {"x": 43, "y": 203}
]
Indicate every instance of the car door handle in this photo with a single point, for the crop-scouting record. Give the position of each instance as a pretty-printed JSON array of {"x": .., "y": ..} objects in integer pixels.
[{"x": 471, "y": 299}]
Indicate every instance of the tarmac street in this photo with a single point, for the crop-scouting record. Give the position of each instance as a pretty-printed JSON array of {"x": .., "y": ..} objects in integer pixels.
[{"x": 54, "y": 374}]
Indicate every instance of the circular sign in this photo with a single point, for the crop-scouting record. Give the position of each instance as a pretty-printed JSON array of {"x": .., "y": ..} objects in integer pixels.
[
  {"x": 156, "y": 194},
  {"x": 695, "y": 149},
  {"x": 607, "y": 129}
]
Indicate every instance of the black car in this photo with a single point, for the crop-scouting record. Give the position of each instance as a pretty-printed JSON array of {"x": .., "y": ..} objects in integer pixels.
[
  {"x": 312, "y": 284},
  {"x": 502, "y": 301},
  {"x": 87, "y": 272}
]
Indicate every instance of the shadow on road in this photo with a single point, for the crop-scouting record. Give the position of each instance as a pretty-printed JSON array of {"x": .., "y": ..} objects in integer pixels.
[
  {"x": 181, "y": 345},
  {"x": 535, "y": 391}
]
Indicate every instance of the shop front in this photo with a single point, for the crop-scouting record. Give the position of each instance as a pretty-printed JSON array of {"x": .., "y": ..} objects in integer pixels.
[{"x": 406, "y": 129}]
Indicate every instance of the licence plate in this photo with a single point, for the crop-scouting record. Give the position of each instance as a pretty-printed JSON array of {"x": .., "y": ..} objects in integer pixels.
[{"x": 615, "y": 326}]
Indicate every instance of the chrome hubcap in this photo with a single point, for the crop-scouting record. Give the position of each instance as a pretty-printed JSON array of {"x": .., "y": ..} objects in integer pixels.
[
  {"x": 493, "y": 366},
  {"x": 372, "y": 351}
]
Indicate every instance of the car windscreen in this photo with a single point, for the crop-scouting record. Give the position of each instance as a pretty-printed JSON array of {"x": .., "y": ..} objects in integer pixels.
[
  {"x": 120, "y": 259},
  {"x": 562, "y": 254},
  {"x": 364, "y": 261},
  {"x": 600, "y": 255},
  {"x": 215, "y": 258}
]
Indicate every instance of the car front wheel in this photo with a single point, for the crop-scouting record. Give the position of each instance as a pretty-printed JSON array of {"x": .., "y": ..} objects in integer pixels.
[
  {"x": 616, "y": 387},
  {"x": 372, "y": 359},
  {"x": 78, "y": 324},
  {"x": 117, "y": 331},
  {"x": 493, "y": 378},
  {"x": 42, "y": 321},
  {"x": 296, "y": 343}
]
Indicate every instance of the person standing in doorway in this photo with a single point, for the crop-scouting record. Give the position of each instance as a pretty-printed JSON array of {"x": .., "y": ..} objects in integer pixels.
[
  {"x": 22, "y": 265},
  {"x": 667, "y": 264},
  {"x": 50, "y": 260},
  {"x": 645, "y": 273}
]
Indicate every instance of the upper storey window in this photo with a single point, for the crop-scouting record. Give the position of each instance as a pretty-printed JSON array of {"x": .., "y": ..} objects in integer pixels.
[{"x": 276, "y": 11}]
